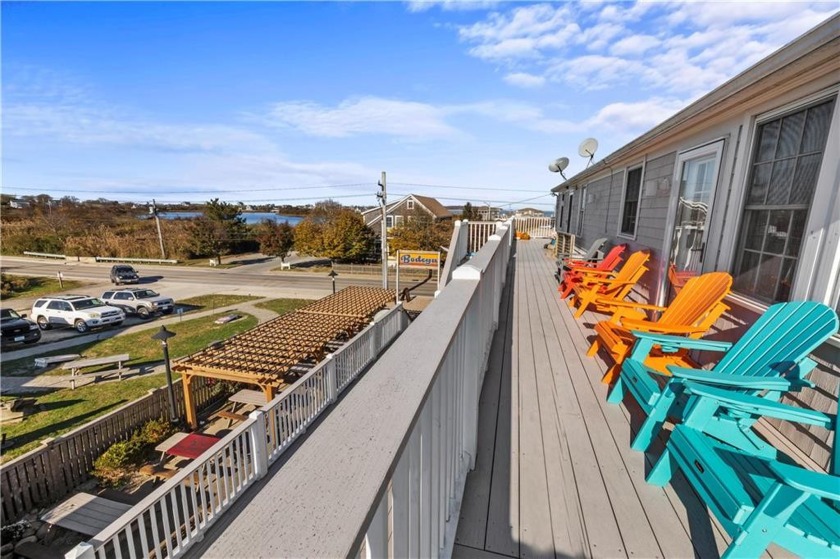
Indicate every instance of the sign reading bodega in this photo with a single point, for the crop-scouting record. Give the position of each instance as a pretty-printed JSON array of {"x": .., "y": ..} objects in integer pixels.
[{"x": 419, "y": 259}]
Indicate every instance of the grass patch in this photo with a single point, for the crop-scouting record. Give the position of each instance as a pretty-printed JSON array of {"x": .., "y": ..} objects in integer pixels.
[
  {"x": 282, "y": 306},
  {"x": 215, "y": 301},
  {"x": 63, "y": 410},
  {"x": 192, "y": 335},
  {"x": 205, "y": 263},
  {"x": 22, "y": 286}
]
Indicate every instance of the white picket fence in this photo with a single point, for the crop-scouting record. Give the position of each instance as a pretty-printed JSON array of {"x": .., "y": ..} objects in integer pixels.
[{"x": 176, "y": 515}]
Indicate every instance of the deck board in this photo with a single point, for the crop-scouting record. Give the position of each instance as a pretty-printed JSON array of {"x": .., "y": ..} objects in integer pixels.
[{"x": 562, "y": 456}]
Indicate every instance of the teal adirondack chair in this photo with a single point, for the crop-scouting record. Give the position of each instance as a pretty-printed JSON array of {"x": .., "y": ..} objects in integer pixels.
[
  {"x": 758, "y": 500},
  {"x": 771, "y": 358}
]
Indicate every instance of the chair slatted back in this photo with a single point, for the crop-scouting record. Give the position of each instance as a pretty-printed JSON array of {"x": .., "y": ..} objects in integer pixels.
[
  {"x": 699, "y": 302},
  {"x": 780, "y": 339},
  {"x": 612, "y": 258},
  {"x": 634, "y": 268},
  {"x": 593, "y": 250}
]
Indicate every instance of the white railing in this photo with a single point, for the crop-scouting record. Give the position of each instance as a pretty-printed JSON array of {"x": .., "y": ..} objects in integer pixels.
[
  {"x": 384, "y": 473},
  {"x": 176, "y": 515},
  {"x": 421, "y": 501},
  {"x": 458, "y": 250},
  {"x": 45, "y": 255},
  {"x": 135, "y": 260},
  {"x": 535, "y": 227},
  {"x": 479, "y": 232}
]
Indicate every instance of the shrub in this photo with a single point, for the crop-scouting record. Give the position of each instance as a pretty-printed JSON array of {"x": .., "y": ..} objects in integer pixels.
[
  {"x": 156, "y": 431},
  {"x": 115, "y": 466}
]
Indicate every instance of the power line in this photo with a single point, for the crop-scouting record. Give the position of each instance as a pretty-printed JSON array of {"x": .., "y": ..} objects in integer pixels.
[{"x": 464, "y": 187}]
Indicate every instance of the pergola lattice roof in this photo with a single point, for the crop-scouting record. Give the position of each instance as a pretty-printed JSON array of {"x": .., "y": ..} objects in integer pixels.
[{"x": 264, "y": 354}]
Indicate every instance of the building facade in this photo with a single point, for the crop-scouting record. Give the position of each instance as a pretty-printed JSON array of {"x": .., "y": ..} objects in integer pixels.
[
  {"x": 745, "y": 180},
  {"x": 405, "y": 208}
]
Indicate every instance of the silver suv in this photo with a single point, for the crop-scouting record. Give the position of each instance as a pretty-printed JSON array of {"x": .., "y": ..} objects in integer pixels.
[
  {"x": 140, "y": 300},
  {"x": 78, "y": 311}
]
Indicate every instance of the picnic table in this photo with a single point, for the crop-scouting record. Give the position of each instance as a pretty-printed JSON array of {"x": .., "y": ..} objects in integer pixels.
[
  {"x": 169, "y": 443},
  {"x": 240, "y": 400},
  {"x": 192, "y": 445},
  {"x": 75, "y": 367},
  {"x": 85, "y": 513}
]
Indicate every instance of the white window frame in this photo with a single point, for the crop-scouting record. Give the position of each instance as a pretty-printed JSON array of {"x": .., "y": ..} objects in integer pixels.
[
  {"x": 627, "y": 171},
  {"x": 818, "y": 267},
  {"x": 581, "y": 211},
  {"x": 389, "y": 221},
  {"x": 409, "y": 204}
]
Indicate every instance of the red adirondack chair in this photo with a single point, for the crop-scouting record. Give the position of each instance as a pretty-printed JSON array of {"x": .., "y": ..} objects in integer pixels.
[{"x": 574, "y": 275}]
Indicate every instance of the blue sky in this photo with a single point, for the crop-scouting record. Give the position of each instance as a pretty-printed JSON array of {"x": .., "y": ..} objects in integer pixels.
[{"x": 289, "y": 102}]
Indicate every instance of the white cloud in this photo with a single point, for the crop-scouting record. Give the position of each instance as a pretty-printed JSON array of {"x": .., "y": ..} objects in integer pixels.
[
  {"x": 451, "y": 5},
  {"x": 366, "y": 115},
  {"x": 637, "y": 117},
  {"x": 681, "y": 47},
  {"x": 523, "y": 79}
]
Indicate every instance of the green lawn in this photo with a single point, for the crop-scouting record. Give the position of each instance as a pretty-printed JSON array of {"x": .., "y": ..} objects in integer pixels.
[
  {"x": 191, "y": 335},
  {"x": 215, "y": 301},
  {"x": 282, "y": 306},
  {"x": 22, "y": 286},
  {"x": 63, "y": 410}
]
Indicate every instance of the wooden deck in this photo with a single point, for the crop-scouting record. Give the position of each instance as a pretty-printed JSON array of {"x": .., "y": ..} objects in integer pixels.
[{"x": 555, "y": 475}]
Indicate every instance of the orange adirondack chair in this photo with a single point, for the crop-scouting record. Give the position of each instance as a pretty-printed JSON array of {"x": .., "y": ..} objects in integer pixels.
[
  {"x": 573, "y": 276},
  {"x": 678, "y": 279},
  {"x": 603, "y": 288},
  {"x": 692, "y": 312}
]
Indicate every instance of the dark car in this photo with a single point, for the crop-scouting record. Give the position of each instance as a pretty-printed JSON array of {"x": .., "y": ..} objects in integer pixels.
[
  {"x": 123, "y": 273},
  {"x": 16, "y": 329}
]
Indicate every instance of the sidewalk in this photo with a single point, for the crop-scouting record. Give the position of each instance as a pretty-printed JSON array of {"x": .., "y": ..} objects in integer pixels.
[{"x": 21, "y": 384}]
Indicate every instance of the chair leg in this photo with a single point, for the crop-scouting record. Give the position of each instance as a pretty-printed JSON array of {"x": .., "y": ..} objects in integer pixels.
[
  {"x": 650, "y": 426},
  {"x": 663, "y": 470},
  {"x": 593, "y": 349},
  {"x": 616, "y": 395},
  {"x": 611, "y": 374}
]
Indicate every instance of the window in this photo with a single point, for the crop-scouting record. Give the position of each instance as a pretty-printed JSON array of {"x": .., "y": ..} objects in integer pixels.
[
  {"x": 782, "y": 180},
  {"x": 410, "y": 204},
  {"x": 630, "y": 207},
  {"x": 582, "y": 211},
  {"x": 123, "y": 296},
  {"x": 389, "y": 221}
]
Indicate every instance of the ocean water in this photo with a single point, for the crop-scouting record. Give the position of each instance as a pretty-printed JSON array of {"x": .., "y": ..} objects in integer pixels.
[{"x": 251, "y": 218}]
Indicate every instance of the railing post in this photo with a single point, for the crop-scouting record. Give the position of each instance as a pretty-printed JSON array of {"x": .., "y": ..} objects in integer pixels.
[
  {"x": 332, "y": 389},
  {"x": 376, "y": 538},
  {"x": 83, "y": 550},
  {"x": 259, "y": 443}
]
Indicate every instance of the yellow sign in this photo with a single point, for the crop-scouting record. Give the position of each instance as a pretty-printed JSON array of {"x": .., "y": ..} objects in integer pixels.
[{"x": 418, "y": 259}]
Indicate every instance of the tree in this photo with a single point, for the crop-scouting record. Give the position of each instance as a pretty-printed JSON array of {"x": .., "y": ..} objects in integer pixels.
[
  {"x": 335, "y": 232},
  {"x": 469, "y": 213},
  {"x": 219, "y": 231},
  {"x": 420, "y": 232},
  {"x": 276, "y": 239}
]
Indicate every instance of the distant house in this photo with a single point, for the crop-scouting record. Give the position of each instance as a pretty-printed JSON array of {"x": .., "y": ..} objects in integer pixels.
[
  {"x": 18, "y": 204},
  {"x": 488, "y": 213},
  {"x": 529, "y": 212},
  {"x": 404, "y": 208}
]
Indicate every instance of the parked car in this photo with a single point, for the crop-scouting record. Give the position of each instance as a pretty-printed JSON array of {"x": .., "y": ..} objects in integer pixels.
[
  {"x": 77, "y": 311},
  {"x": 16, "y": 329},
  {"x": 123, "y": 273},
  {"x": 139, "y": 300}
]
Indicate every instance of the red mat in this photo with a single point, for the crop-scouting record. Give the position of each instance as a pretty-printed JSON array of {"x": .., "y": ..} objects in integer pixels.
[{"x": 193, "y": 445}]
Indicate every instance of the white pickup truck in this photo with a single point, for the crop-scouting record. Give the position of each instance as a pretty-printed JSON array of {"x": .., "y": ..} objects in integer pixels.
[{"x": 139, "y": 300}]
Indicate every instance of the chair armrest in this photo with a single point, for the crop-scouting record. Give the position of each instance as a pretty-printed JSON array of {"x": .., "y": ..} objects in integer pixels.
[
  {"x": 648, "y": 326},
  {"x": 821, "y": 484},
  {"x": 760, "y": 406},
  {"x": 592, "y": 272},
  {"x": 632, "y": 305},
  {"x": 687, "y": 343},
  {"x": 729, "y": 380}
]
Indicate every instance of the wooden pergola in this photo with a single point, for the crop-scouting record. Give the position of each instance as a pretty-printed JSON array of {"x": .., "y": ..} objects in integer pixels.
[{"x": 264, "y": 355}]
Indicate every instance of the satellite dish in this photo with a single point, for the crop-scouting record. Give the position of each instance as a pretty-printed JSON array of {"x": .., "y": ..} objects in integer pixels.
[
  {"x": 559, "y": 165},
  {"x": 588, "y": 147}
]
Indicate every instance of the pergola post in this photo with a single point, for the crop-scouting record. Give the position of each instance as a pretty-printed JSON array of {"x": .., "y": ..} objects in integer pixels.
[
  {"x": 189, "y": 402},
  {"x": 269, "y": 391}
]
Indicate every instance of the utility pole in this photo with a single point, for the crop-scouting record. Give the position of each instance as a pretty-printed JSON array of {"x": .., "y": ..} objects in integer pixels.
[
  {"x": 383, "y": 201},
  {"x": 160, "y": 235}
]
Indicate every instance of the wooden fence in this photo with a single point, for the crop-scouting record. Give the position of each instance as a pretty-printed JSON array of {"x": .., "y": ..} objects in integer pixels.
[{"x": 46, "y": 474}]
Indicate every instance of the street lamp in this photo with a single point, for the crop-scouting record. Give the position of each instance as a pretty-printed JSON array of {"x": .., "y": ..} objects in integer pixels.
[
  {"x": 332, "y": 275},
  {"x": 163, "y": 335}
]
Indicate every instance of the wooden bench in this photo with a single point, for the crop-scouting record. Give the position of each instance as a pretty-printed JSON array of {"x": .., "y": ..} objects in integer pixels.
[
  {"x": 285, "y": 265},
  {"x": 76, "y": 366},
  {"x": 231, "y": 416}
]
